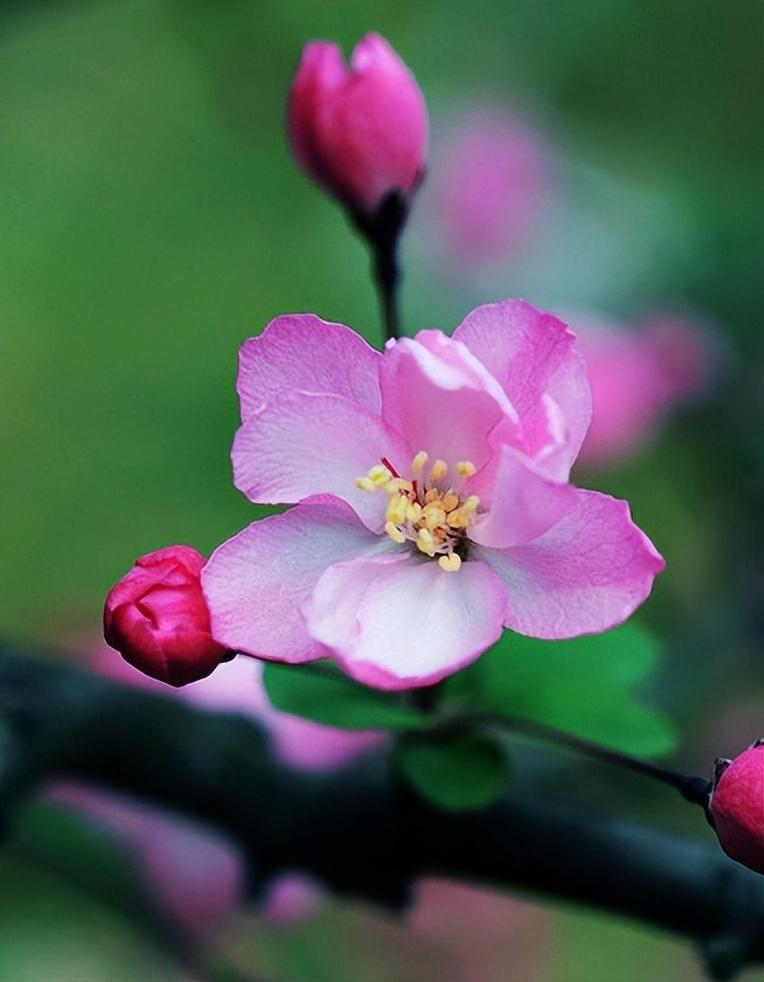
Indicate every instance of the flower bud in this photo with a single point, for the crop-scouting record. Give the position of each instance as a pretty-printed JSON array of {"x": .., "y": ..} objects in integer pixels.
[
  {"x": 158, "y": 620},
  {"x": 736, "y": 807},
  {"x": 359, "y": 132}
]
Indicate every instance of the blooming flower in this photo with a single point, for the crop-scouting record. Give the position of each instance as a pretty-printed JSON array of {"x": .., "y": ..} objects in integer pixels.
[
  {"x": 359, "y": 132},
  {"x": 156, "y": 617},
  {"x": 433, "y": 503},
  {"x": 737, "y": 806},
  {"x": 637, "y": 375}
]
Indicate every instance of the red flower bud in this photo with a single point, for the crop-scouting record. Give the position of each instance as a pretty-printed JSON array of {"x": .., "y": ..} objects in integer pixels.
[
  {"x": 359, "y": 132},
  {"x": 737, "y": 806},
  {"x": 158, "y": 620}
]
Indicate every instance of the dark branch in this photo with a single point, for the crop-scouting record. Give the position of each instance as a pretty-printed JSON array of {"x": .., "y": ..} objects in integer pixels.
[{"x": 359, "y": 830}]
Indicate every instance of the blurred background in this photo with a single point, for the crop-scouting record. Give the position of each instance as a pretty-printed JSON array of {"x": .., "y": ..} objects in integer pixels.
[{"x": 601, "y": 159}]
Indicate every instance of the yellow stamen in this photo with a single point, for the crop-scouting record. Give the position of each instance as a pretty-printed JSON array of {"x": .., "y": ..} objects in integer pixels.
[
  {"x": 457, "y": 519},
  {"x": 450, "y": 564},
  {"x": 425, "y": 541},
  {"x": 432, "y": 495},
  {"x": 365, "y": 484},
  {"x": 413, "y": 511},
  {"x": 438, "y": 470},
  {"x": 433, "y": 515},
  {"x": 379, "y": 475},
  {"x": 396, "y": 509},
  {"x": 398, "y": 484},
  {"x": 470, "y": 504},
  {"x": 450, "y": 501},
  {"x": 395, "y": 533},
  {"x": 465, "y": 468},
  {"x": 417, "y": 464}
]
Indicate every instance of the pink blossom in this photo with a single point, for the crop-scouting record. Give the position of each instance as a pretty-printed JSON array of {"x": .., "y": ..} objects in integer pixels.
[
  {"x": 433, "y": 504},
  {"x": 637, "y": 375},
  {"x": 359, "y": 132},
  {"x": 157, "y": 619},
  {"x": 737, "y": 806},
  {"x": 490, "y": 186}
]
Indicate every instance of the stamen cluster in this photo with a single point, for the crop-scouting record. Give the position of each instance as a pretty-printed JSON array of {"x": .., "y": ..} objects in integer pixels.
[{"x": 427, "y": 509}]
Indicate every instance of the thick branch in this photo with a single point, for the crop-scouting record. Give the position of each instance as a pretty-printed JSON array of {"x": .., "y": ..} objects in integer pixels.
[{"x": 359, "y": 830}]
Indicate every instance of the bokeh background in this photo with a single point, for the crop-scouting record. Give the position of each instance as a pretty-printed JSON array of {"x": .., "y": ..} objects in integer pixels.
[{"x": 151, "y": 218}]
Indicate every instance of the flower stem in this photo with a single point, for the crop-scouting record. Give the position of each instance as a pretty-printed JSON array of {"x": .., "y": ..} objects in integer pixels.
[
  {"x": 692, "y": 788},
  {"x": 382, "y": 230}
]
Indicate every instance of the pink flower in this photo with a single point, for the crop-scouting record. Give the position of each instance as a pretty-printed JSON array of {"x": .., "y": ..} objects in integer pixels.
[
  {"x": 434, "y": 507},
  {"x": 490, "y": 186},
  {"x": 737, "y": 806},
  {"x": 156, "y": 617},
  {"x": 637, "y": 375},
  {"x": 362, "y": 132}
]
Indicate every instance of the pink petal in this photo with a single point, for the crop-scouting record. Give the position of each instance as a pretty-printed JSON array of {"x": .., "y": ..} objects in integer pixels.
[
  {"x": 441, "y": 397},
  {"x": 586, "y": 574},
  {"x": 399, "y": 623},
  {"x": 315, "y": 444},
  {"x": 256, "y": 582},
  {"x": 523, "y": 502},
  {"x": 302, "y": 353},
  {"x": 533, "y": 356}
]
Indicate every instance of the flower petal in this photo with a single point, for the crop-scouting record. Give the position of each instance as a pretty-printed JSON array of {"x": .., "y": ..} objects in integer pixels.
[
  {"x": 441, "y": 397},
  {"x": 585, "y": 575},
  {"x": 398, "y": 623},
  {"x": 300, "y": 353},
  {"x": 534, "y": 358},
  {"x": 315, "y": 444},
  {"x": 256, "y": 582},
  {"x": 523, "y": 502}
]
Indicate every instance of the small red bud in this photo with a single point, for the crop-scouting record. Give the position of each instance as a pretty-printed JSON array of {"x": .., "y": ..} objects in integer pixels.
[
  {"x": 158, "y": 620},
  {"x": 737, "y": 806},
  {"x": 360, "y": 132}
]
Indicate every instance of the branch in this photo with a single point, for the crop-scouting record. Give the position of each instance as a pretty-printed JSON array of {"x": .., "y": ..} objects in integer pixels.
[{"x": 358, "y": 829}]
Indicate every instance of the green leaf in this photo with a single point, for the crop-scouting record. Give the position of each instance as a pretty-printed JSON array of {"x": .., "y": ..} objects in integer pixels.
[
  {"x": 464, "y": 772},
  {"x": 336, "y": 700},
  {"x": 584, "y": 686}
]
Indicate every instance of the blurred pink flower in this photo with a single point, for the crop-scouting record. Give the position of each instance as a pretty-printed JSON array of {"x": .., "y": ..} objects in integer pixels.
[
  {"x": 637, "y": 375},
  {"x": 358, "y": 132},
  {"x": 196, "y": 874},
  {"x": 489, "y": 185},
  {"x": 433, "y": 503}
]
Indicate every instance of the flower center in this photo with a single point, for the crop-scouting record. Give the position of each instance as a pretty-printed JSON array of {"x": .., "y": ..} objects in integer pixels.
[{"x": 428, "y": 509}]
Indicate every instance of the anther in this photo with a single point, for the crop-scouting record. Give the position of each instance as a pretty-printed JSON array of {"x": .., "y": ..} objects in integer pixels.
[
  {"x": 396, "y": 509},
  {"x": 470, "y": 504},
  {"x": 395, "y": 533},
  {"x": 465, "y": 468},
  {"x": 450, "y": 563},
  {"x": 450, "y": 501},
  {"x": 433, "y": 516},
  {"x": 413, "y": 511},
  {"x": 365, "y": 484},
  {"x": 425, "y": 541},
  {"x": 417, "y": 464},
  {"x": 379, "y": 475},
  {"x": 432, "y": 495},
  {"x": 438, "y": 470}
]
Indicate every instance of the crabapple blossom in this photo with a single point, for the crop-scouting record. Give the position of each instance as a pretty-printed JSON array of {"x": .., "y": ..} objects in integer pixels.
[
  {"x": 736, "y": 806},
  {"x": 359, "y": 132},
  {"x": 156, "y": 617},
  {"x": 432, "y": 502}
]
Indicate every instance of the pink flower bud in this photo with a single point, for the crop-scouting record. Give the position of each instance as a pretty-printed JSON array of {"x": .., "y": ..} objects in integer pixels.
[
  {"x": 359, "y": 132},
  {"x": 737, "y": 806},
  {"x": 157, "y": 618}
]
